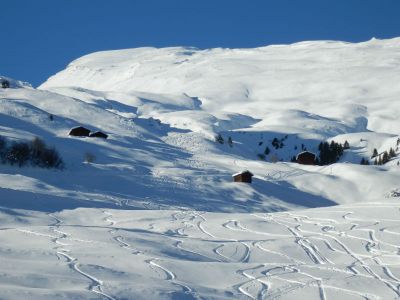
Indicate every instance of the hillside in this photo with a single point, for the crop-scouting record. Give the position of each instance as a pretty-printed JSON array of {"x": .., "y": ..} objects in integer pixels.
[{"x": 132, "y": 216}]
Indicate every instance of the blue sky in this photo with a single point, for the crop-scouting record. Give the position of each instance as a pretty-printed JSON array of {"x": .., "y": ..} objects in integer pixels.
[{"x": 40, "y": 37}]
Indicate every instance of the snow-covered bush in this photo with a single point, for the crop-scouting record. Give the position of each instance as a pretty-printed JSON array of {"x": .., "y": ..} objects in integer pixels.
[{"x": 89, "y": 157}]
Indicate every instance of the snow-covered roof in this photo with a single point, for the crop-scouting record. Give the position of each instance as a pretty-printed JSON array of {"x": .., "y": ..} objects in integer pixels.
[
  {"x": 76, "y": 127},
  {"x": 242, "y": 172},
  {"x": 304, "y": 152}
]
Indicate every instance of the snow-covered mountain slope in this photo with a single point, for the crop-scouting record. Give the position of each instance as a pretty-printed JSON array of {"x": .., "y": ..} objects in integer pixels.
[
  {"x": 152, "y": 211},
  {"x": 342, "y": 81},
  {"x": 143, "y": 158}
]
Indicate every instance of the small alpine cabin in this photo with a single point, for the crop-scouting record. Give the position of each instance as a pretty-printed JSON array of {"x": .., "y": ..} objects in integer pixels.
[
  {"x": 79, "y": 131},
  {"x": 99, "y": 134},
  {"x": 244, "y": 176},
  {"x": 306, "y": 158}
]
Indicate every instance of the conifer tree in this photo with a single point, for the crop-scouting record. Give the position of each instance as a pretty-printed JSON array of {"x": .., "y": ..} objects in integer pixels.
[
  {"x": 374, "y": 153},
  {"x": 5, "y": 84},
  {"x": 275, "y": 143},
  {"x": 230, "y": 142},
  {"x": 267, "y": 150},
  {"x": 219, "y": 139},
  {"x": 385, "y": 157},
  {"x": 330, "y": 152},
  {"x": 392, "y": 153}
]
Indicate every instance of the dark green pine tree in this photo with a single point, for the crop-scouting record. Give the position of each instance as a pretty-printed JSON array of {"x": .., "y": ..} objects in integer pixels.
[
  {"x": 219, "y": 139},
  {"x": 374, "y": 153},
  {"x": 267, "y": 151},
  {"x": 230, "y": 142},
  {"x": 275, "y": 143},
  {"x": 392, "y": 153},
  {"x": 385, "y": 157}
]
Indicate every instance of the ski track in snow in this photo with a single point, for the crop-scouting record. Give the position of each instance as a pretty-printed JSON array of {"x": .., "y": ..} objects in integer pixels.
[
  {"x": 363, "y": 243},
  {"x": 96, "y": 285},
  {"x": 153, "y": 262}
]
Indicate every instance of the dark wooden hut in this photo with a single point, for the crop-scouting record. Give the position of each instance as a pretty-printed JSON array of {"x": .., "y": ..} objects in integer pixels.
[
  {"x": 79, "y": 131},
  {"x": 306, "y": 158},
  {"x": 244, "y": 176},
  {"x": 99, "y": 134}
]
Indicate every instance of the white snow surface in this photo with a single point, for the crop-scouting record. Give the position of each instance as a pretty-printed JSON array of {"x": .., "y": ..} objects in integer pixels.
[{"x": 155, "y": 214}]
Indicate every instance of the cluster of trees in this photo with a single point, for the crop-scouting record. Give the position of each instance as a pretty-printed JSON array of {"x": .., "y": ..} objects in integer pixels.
[
  {"x": 278, "y": 143},
  {"x": 5, "y": 84},
  {"x": 381, "y": 159},
  {"x": 219, "y": 139},
  {"x": 35, "y": 153},
  {"x": 364, "y": 161},
  {"x": 330, "y": 153}
]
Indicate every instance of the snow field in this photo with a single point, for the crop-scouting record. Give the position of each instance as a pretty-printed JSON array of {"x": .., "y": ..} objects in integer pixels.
[{"x": 348, "y": 251}]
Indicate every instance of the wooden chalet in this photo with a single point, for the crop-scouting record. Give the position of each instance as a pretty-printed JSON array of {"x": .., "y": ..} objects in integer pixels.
[
  {"x": 306, "y": 158},
  {"x": 98, "y": 134},
  {"x": 79, "y": 131},
  {"x": 244, "y": 176}
]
